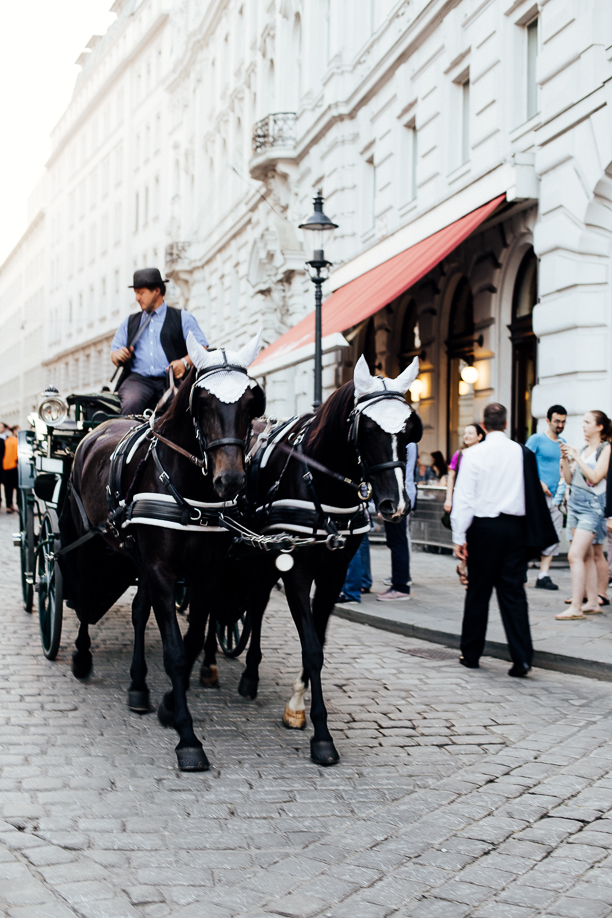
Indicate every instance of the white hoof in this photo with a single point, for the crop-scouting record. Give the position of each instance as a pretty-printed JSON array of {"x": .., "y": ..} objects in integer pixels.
[{"x": 294, "y": 720}]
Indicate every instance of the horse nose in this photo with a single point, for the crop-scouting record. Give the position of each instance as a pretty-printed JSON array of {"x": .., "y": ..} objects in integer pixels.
[
  {"x": 229, "y": 483},
  {"x": 388, "y": 510}
]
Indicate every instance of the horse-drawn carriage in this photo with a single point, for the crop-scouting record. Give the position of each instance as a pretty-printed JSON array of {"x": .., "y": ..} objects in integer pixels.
[
  {"x": 45, "y": 456},
  {"x": 44, "y": 460},
  {"x": 195, "y": 497}
]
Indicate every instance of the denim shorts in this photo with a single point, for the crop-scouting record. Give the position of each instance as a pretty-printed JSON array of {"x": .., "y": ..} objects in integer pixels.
[{"x": 585, "y": 510}]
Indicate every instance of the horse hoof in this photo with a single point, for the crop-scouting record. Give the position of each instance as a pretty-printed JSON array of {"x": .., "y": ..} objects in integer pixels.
[
  {"x": 138, "y": 701},
  {"x": 294, "y": 720},
  {"x": 192, "y": 759},
  {"x": 164, "y": 715},
  {"x": 323, "y": 752},
  {"x": 82, "y": 665},
  {"x": 248, "y": 687},
  {"x": 209, "y": 676}
]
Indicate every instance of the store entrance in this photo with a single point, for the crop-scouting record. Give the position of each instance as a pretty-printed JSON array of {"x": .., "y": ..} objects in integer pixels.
[
  {"x": 460, "y": 351},
  {"x": 524, "y": 347}
]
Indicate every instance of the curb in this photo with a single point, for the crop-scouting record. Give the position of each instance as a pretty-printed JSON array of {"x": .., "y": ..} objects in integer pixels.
[{"x": 592, "y": 669}]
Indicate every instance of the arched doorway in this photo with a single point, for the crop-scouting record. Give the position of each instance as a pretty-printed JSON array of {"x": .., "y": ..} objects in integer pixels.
[
  {"x": 460, "y": 351},
  {"x": 524, "y": 347}
]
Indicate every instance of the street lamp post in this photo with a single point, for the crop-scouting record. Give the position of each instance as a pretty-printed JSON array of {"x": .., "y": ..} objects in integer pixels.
[{"x": 322, "y": 229}]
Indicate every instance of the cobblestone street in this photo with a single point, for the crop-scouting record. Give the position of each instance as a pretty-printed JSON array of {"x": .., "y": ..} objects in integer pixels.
[{"x": 459, "y": 793}]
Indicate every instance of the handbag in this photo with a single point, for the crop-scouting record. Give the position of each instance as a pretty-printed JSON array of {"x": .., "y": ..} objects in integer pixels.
[{"x": 446, "y": 520}]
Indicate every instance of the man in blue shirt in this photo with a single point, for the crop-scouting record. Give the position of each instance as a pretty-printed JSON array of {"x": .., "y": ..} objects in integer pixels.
[
  {"x": 160, "y": 346},
  {"x": 546, "y": 447}
]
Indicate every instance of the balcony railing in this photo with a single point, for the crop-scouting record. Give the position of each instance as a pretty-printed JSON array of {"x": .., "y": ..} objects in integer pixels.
[{"x": 277, "y": 130}]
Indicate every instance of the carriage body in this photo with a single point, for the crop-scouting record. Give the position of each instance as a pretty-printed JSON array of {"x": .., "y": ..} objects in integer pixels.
[{"x": 45, "y": 454}]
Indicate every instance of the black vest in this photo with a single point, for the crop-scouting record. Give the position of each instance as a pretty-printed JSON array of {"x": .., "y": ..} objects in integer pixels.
[{"x": 171, "y": 338}]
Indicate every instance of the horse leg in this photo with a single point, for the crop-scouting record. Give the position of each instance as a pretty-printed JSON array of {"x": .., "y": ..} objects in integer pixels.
[
  {"x": 294, "y": 717},
  {"x": 209, "y": 671},
  {"x": 138, "y": 693},
  {"x": 82, "y": 660},
  {"x": 249, "y": 680},
  {"x": 322, "y": 749},
  {"x": 327, "y": 590},
  {"x": 173, "y": 710}
]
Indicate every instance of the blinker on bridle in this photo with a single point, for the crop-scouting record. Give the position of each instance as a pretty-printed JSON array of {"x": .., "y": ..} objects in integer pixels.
[
  {"x": 222, "y": 441},
  {"x": 353, "y": 419}
]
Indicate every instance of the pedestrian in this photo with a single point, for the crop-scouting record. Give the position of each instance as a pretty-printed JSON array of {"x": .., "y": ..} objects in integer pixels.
[
  {"x": 396, "y": 537},
  {"x": 547, "y": 448},
  {"x": 161, "y": 346},
  {"x": 358, "y": 578},
  {"x": 3, "y": 433},
  {"x": 423, "y": 472},
  {"x": 472, "y": 435},
  {"x": 499, "y": 518},
  {"x": 439, "y": 466},
  {"x": 585, "y": 472},
  {"x": 9, "y": 470}
]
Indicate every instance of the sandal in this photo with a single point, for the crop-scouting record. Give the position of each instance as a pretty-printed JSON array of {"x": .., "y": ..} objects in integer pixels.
[
  {"x": 603, "y": 601},
  {"x": 592, "y": 611},
  {"x": 568, "y": 616},
  {"x": 568, "y": 602}
]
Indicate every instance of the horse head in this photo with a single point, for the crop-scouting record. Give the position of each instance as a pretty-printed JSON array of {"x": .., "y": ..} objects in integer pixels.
[
  {"x": 223, "y": 403},
  {"x": 382, "y": 426}
]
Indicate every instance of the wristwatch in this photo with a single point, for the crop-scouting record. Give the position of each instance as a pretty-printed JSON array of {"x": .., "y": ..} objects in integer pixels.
[{"x": 187, "y": 366}]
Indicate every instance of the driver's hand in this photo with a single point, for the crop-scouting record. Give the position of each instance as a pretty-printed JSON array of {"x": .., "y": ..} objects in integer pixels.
[
  {"x": 178, "y": 368},
  {"x": 122, "y": 355}
]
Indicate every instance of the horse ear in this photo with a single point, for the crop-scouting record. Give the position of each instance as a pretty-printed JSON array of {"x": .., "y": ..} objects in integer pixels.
[
  {"x": 199, "y": 356},
  {"x": 249, "y": 352},
  {"x": 362, "y": 377},
  {"x": 403, "y": 382}
]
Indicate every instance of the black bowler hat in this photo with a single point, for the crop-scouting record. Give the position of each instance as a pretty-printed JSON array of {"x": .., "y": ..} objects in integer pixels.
[{"x": 148, "y": 277}]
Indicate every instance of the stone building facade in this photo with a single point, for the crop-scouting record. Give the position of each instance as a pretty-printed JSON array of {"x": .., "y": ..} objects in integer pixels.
[{"x": 199, "y": 132}]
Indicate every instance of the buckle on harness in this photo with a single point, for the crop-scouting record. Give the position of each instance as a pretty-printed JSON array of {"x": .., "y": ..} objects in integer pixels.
[{"x": 335, "y": 541}]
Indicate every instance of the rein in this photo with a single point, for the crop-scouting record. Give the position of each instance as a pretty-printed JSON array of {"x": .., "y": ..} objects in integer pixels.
[{"x": 361, "y": 488}]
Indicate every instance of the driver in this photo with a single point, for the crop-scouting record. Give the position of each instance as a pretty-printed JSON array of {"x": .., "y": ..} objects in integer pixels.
[{"x": 161, "y": 345}]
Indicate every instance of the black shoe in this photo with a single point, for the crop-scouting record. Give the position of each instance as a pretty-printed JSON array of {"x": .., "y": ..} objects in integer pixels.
[
  {"x": 469, "y": 665},
  {"x": 519, "y": 670},
  {"x": 545, "y": 583}
]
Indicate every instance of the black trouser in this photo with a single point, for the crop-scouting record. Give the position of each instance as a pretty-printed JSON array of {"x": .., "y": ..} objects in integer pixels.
[
  {"x": 10, "y": 479},
  {"x": 140, "y": 392},
  {"x": 497, "y": 558},
  {"x": 396, "y": 535}
]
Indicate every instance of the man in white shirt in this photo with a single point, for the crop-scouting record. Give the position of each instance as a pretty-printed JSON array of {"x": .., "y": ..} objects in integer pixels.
[{"x": 490, "y": 532}]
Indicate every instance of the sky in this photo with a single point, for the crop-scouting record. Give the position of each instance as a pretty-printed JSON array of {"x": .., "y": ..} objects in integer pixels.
[{"x": 41, "y": 40}]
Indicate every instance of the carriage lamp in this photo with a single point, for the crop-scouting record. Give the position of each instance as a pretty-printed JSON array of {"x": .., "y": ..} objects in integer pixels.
[
  {"x": 470, "y": 374},
  {"x": 52, "y": 408},
  {"x": 318, "y": 230}
]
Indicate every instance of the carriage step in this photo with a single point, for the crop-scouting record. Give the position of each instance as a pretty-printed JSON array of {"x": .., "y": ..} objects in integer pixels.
[{"x": 17, "y": 539}]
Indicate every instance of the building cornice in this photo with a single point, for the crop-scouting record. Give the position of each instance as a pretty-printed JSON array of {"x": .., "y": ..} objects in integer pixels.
[
  {"x": 145, "y": 39},
  {"x": 83, "y": 346}
]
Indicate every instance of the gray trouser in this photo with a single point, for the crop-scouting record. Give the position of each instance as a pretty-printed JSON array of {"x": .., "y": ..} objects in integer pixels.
[{"x": 140, "y": 392}]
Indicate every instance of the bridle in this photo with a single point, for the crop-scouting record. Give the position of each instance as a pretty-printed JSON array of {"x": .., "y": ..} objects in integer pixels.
[
  {"x": 353, "y": 419},
  {"x": 205, "y": 446}
]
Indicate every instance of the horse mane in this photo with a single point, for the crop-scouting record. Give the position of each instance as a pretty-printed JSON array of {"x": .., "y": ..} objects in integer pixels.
[
  {"x": 332, "y": 414},
  {"x": 179, "y": 405}
]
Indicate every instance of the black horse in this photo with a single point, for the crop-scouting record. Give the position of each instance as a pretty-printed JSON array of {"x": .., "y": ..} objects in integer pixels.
[
  {"x": 360, "y": 433},
  {"x": 163, "y": 520}
]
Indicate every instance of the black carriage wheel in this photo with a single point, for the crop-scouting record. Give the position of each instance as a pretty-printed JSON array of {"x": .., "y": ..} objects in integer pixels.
[
  {"x": 49, "y": 585},
  {"x": 234, "y": 638},
  {"x": 27, "y": 547}
]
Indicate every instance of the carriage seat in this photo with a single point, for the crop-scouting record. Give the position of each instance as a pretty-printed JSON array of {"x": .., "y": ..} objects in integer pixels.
[{"x": 97, "y": 406}]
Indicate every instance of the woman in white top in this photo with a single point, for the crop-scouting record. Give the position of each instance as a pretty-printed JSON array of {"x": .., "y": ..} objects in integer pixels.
[{"x": 586, "y": 473}]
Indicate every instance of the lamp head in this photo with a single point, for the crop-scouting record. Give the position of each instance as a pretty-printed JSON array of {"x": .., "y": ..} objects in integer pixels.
[{"x": 318, "y": 230}]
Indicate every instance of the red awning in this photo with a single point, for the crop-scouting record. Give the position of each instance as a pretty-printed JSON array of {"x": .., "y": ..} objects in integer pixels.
[{"x": 362, "y": 297}]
